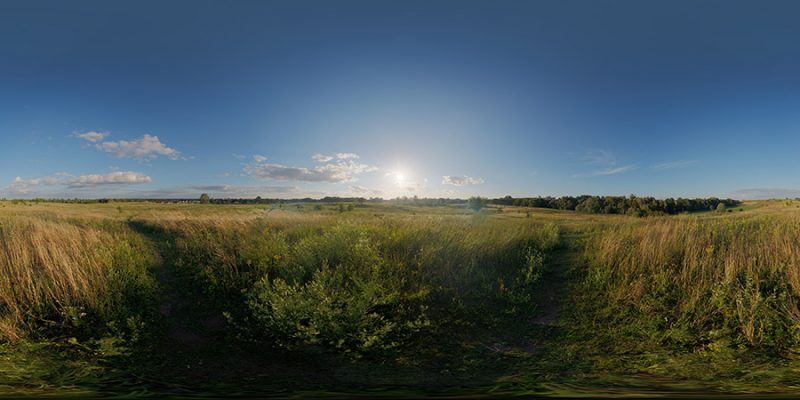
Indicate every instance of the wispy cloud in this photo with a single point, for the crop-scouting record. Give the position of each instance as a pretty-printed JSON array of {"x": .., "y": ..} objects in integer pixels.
[
  {"x": 604, "y": 163},
  {"x": 461, "y": 180},
  {"x": 599, "y": 157},
  {"x": 259, "y": 158},
  {"x": 673, "y": 165},
  {"x": 613, "y": 170}
]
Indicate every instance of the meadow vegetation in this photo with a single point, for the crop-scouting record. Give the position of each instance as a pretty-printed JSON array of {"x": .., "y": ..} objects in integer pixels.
[
  {"x": 74, "y": 278},
  {"x": 711, "y": 282},
  {"x": 507, "y": 298},
  {"x": 359, "y": 286}
]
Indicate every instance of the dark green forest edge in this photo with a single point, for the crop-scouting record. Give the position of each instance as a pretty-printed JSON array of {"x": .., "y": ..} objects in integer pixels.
[{"x": 386, "y": 301}]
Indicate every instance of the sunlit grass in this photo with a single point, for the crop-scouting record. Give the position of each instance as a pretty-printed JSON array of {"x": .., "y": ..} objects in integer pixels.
[{"x": 705, "y": 301}]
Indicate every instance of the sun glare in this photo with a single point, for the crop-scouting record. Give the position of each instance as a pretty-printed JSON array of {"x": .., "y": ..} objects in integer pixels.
[{"x": 400, "y": 176}]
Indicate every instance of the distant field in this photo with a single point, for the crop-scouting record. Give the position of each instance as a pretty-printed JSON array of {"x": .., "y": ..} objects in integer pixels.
[{"x": 397, "y": 300}]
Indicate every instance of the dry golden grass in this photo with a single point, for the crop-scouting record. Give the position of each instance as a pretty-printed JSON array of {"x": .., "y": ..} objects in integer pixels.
[
  {"x": 46, "y": 263},
  {"x": 737, "y": 268}
]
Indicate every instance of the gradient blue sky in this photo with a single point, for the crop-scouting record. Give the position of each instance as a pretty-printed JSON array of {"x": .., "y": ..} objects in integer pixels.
[{"x": 380, "y": 98}]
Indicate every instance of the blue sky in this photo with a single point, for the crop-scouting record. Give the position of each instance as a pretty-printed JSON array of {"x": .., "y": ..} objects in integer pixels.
[{"x": 393, "y": 98}]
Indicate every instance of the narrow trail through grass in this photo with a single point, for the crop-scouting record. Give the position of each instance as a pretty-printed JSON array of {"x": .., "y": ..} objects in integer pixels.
[
  {"x": 190, "y": 330},
  {"x": 553, "y": 286}
]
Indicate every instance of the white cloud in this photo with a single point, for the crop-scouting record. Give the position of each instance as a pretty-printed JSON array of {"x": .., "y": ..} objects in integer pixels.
[
  {"x": 336, "y": 172},
  {"x": 321, "y": 157},
  {"x": 20, "y": 185},
  {"x": 111, "y": 178},
  {"x": 223, "y": 191},
  {"x": 673, "y": 164},
  {"x": 259, "y": 158},
  {"x": 285, "y": 173},
  {"x": 93, "y": 136},
  {"x": 343, "y": 169},
  {"x": 461, "y": 180},
  {"x": 148, "y": 146}
]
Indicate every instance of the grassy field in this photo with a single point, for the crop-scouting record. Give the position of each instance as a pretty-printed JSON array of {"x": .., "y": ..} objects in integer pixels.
[{"x": 394, "y": 300}]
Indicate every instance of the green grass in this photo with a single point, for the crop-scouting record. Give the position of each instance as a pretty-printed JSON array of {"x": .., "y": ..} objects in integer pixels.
[{"x": 395, "y": 300}]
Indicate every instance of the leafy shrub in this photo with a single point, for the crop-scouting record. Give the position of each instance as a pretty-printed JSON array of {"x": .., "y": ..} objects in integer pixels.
[
  {"x": 339, "y": 293},
  {"x": 362, "y": 286}
]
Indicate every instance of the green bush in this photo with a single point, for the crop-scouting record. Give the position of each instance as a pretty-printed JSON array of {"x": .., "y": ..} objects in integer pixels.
[
  {"x": 364, "y": 286},
  {"x": 338, "y": 293}
]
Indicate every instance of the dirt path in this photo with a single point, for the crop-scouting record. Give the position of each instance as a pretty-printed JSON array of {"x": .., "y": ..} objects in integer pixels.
[
  {"x": 541, "y": 328},
  {"x": 190, "y": 326},
  {"x": 552, "y": 289}
]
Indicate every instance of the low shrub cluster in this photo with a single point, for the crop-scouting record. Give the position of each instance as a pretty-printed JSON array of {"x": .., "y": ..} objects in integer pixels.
[{"x": 362, "y": 287}]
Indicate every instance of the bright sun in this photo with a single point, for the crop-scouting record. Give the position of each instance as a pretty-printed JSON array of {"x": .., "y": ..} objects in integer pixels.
[{"x": 399, "y": 176}]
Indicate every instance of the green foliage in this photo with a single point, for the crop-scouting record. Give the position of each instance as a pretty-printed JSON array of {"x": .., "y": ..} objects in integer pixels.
[
  {"x": 705, "y": 300},
  {"x": 633, "y": 205},
  {"x": 590, "y": 205},
  {"x": 131, "y": 300},
  {"x": 715, "y": 282},
  {"x": 340, "y": 293},
  {"x": 363, "y": 287},
  {"x": 475, "y": 203},
  {"x": 227, "y": 261}
]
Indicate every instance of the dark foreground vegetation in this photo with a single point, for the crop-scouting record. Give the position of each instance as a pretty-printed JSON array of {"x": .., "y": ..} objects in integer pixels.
[{"x": 396, "y": 300}]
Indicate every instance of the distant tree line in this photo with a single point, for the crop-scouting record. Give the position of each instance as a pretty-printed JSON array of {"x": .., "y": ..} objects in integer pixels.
[{"x": 631, "y": 205}]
